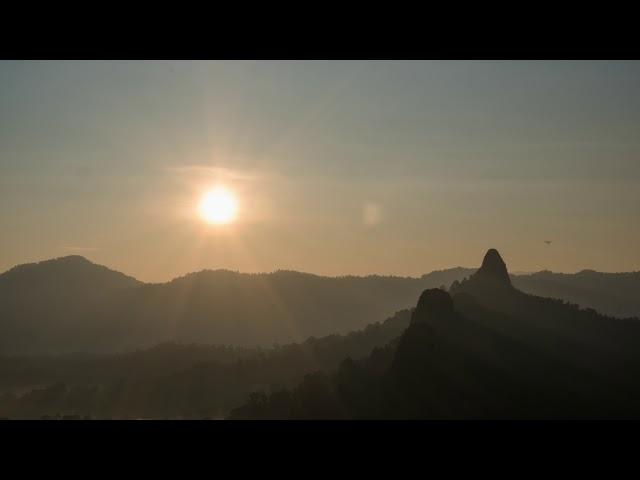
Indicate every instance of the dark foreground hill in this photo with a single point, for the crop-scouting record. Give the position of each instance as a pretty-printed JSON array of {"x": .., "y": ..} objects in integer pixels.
[
  {"x": 483, "y": 351},
  {"x": 72, "y": 305},
  {"x": 174, "y": 380}
]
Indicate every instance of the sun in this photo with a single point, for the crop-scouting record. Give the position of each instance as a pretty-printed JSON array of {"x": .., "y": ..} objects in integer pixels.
[{"x": 218, "y": 206}]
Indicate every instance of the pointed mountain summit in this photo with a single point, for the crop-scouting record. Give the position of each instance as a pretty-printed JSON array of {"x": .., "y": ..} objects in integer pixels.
[
  {"x": 493, "y": 267},
  {"x": 490, "y": 279}
]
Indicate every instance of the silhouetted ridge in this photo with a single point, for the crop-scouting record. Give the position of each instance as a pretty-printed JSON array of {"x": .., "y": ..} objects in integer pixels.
[
  {"x": 482, "y": 350},
  {"x": 69, "y": 261},
  {"x": 433, "y": 304},
  {"x": 493, "y": 267},
  {"x": 70, "y": 304}
]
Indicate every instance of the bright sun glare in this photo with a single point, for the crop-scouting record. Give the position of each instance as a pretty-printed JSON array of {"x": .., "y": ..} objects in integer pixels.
[{"x": 218, "y": 206}]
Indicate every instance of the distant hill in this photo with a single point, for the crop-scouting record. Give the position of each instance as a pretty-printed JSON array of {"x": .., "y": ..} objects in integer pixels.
[
  {"x": 616, "y": 294},
  {"x": 72, "y": 305},
  {"x": 224, "y": 307},
  {"x": 484, "y": 350},
  {"x": 46, "y": 305}
]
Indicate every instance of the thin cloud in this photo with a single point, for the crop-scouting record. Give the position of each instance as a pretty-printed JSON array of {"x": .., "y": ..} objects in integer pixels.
[{"x": 220, "y": 173}]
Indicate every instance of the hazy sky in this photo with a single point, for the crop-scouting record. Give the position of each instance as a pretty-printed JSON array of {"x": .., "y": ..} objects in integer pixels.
[{"x": 338, "y": 167}]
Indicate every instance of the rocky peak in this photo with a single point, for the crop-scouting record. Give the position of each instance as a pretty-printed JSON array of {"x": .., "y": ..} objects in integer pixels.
[
  {"x": 433, "y": 304},
  {"x": 493, "y": 267}
]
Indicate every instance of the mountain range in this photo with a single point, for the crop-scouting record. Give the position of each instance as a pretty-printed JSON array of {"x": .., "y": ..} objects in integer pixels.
[
  {"x": 70, "y": 304},
  {"x": 480, "y": 349}
]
